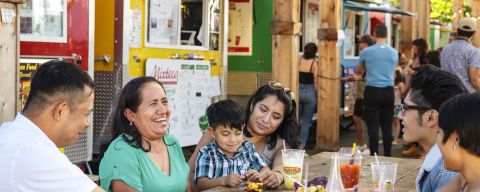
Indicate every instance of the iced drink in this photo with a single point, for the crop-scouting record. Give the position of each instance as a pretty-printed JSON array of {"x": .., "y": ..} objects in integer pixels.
[
  {"x": 350, "y": 169},
  {"x": 292, "y": 166}
]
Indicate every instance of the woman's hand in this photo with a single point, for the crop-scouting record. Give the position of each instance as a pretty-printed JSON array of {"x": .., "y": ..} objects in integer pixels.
[
  {"x": 253, "y": 175},
  {"x": 271, "y": 179},
  {"x": 232, "y": 180}
]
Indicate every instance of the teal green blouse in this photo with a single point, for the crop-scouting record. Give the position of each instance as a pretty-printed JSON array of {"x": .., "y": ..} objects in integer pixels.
[{"x": 136, "y": 169}]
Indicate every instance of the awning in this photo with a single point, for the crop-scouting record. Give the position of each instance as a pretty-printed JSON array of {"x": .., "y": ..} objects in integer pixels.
[{"x": 357, "y": 6}]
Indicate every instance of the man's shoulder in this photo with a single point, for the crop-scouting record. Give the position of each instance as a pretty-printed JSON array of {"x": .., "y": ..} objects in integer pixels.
[{"x": 439, "y": 176}]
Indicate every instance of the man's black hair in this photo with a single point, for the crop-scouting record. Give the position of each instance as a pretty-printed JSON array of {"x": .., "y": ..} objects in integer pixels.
[
  {"x": 57, "y": 80},
  {"x": 462, "y": 33},
  {"x": 381, "y": 31},
  {"x": 430, "y": 87}
]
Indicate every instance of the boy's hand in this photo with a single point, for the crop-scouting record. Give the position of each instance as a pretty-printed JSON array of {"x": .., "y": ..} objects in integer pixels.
[
  {"x": 253, "y": 175},
  {"x": 232, "y": 180}
]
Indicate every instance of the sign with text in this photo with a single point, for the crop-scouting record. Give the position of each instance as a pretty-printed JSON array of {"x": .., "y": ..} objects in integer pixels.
[{"x": 188, "y": 88}]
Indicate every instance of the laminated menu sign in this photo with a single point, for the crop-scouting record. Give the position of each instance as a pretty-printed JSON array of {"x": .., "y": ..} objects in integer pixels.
[{"x": 187, "y": 85}]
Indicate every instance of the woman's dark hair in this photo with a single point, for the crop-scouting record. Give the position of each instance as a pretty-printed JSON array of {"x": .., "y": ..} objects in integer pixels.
[
  {"x": 433, "y": 58},
  {"x": 460, "y": 114},
  {"x": 422, "y": 46},
  {"x": 310, "y": 51},
  {"x": 130, "y": 98},
  {"x": 289, "y": 130}
]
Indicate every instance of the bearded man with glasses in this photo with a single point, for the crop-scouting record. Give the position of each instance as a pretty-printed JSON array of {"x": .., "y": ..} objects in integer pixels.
[{"x": 429, "y": 88}]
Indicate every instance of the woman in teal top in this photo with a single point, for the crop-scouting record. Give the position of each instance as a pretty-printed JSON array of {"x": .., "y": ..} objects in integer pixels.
[{"x": 143, "y": 157}]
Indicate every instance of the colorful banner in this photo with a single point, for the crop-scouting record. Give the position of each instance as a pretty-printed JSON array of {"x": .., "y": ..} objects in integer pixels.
[
  {"x": 27, "y": 70},
  {"x": 240, "y": 27}
]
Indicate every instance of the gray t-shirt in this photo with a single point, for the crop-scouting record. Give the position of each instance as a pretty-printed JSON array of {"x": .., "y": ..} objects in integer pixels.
[{"x": 458, "y": 57}]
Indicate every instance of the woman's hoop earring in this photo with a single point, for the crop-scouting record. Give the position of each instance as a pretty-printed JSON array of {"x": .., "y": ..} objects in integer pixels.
[{"x": 168, "y": 127}]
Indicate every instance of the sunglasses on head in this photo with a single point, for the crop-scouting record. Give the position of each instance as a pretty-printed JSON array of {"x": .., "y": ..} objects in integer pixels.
[{"x": 278, "y": 85}]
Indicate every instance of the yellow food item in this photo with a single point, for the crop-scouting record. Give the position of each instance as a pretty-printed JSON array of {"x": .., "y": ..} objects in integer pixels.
[
  {"x": 320, "y": 188},
  {"x": 253, "y": 187},
  {"x": 311, "y": 189}
]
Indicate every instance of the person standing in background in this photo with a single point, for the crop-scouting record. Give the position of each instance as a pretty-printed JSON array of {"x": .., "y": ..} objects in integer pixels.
[
  {"x": 379, "y": 61},
  {"x": 359, "y": 107},
  {"x": 307, "y": 73},
  {"x": 399, "y": 90},
  {"x": 461, "y": 57}
]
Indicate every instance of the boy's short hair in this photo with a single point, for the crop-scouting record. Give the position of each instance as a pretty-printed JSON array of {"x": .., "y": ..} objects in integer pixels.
[{"x": 227, "y": 113}]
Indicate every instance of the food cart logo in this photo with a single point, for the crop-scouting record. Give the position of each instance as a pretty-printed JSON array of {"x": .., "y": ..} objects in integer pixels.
[
  {"x": 165, "y": 75},
  {"x": 291, "y": 170}
]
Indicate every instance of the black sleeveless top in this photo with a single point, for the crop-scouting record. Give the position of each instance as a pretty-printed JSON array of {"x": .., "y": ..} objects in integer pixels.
[{"x": 306, "y": 77}]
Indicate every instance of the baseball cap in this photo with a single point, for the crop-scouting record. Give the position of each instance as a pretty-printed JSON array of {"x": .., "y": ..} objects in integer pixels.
[
  {"x": 367, "y": 39},
  {"x": 467, "y": 24}
]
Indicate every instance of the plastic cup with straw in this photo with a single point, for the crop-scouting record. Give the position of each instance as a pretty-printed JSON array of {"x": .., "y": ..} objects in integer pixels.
[
  {"x": 381, "y": 178},
  {"x": 354, "y": 147},
  {"x": 293, "y": 166},
  {"x": 305, "y": 181}
]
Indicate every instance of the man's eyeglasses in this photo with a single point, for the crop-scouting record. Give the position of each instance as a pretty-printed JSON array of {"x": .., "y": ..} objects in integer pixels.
[
  {"x": 406, "y": 107},
  {"x": 278, "y": 85}
]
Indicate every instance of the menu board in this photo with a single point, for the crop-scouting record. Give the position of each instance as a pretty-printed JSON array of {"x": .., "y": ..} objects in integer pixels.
[{"x": 188, "y": 87}]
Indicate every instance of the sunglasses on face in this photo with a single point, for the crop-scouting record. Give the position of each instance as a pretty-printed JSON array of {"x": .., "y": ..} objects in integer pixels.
[
  {"x": 278, "y": 85},
  {"x": 406, "y": 107}
]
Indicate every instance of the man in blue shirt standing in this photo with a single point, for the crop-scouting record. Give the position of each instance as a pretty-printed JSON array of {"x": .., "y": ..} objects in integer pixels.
[{"x": 379, "y": 61}]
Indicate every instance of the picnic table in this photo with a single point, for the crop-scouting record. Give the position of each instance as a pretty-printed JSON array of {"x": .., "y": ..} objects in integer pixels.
[{"x": 319, "y": 165}]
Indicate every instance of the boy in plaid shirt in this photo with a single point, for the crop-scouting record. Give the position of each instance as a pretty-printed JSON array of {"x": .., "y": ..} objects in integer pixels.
[{"x": 230, "y": 158}]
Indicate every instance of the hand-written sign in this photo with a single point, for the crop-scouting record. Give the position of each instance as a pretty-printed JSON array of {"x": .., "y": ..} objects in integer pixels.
[{"x": 7, "y": 15}]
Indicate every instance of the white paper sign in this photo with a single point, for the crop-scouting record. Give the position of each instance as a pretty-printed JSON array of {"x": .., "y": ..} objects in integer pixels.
[
  {"x": 188, "y": 87},
  {"x": 135, "y": 28},
  {"x": 215, "y": 91},
  {"x": 8, "y": 15}
]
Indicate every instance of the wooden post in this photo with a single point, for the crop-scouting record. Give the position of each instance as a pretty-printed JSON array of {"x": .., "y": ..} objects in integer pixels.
[
  {"x": 329, "y": 75},
  {"x": 407, "y": 31},
  {"x": 286, "y": 28},
  {"x": 476, "y": 14},
  {"x": 457, "y": 13},
  {"x": 9, "y": 61},
  {"x": 423, "y": 20}
]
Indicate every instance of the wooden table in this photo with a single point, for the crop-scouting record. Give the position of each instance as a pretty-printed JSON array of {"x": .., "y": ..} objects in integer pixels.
[{"x": 319, "y": 165}]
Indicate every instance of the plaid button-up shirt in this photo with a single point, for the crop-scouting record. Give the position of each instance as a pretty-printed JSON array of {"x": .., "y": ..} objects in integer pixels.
[{"x": 213, "y": 163}]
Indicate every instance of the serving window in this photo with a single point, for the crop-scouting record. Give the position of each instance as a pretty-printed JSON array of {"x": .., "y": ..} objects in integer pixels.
[{"x": 43, "y": 21}]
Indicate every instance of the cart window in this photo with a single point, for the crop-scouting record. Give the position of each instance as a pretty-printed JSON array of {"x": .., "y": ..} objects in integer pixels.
[
  {"x": 179, "y": 23},
  {"x": 43, "y": 21}
]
